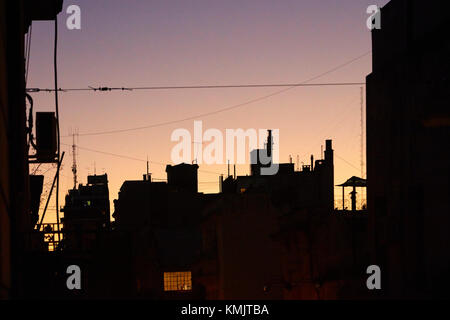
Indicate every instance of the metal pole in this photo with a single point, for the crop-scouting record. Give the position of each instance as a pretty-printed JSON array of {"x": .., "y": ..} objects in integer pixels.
[{"x": 50, "y": 193}]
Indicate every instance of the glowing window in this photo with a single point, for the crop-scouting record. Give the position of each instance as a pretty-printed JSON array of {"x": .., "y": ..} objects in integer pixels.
[{"x": 177, "y": 281}]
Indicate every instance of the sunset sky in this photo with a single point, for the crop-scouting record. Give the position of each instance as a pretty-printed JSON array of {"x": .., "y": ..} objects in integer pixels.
[{"x": 136, "y": 43}]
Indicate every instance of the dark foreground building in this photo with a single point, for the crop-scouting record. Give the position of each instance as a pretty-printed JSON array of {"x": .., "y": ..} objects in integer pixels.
[
  {"x": 159, "y": 224},
  {"x": 279, "y": 237},
  {"x": 86, "y": 214},
  {"x": 408, "y": 155},
  {"x": 16, "y": 220}
]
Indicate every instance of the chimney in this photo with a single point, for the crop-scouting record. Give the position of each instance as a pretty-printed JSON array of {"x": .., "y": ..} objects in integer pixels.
[
  {"x": 328, "y": 151},
  {"x": 328, "y": 144},
  {"x": 269, "y": 143}
]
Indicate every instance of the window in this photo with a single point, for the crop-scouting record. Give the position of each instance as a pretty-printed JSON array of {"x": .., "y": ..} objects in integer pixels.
[{"x": 178, "y": 281}]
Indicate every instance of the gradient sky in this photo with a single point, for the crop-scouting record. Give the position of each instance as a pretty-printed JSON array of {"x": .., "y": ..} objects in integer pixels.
[{"x": 175, "y": 43}]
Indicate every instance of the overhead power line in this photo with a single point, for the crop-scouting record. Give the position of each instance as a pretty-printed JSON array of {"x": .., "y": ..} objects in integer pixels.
[
  {"x": 206, "y": 114},
  {"x": 350, "y": 164},
  {"x": 305, "y": 83},
  {"x": 131, "y": 158},
  {"x": 103, "y": 89},
  {"x": 164, "y": 164}
]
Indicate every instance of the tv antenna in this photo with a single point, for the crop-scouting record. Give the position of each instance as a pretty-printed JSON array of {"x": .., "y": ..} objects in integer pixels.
[{"x": 74, "y": 163}]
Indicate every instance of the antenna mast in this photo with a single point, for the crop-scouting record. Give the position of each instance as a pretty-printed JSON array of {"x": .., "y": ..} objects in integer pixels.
[
  {"x": 74, "y": 164},
  {"x": 362, "y": 133}
]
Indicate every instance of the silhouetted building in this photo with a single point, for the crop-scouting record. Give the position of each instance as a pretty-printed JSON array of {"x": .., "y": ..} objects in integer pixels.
[
  {"x": 313, "y": 186},
  {"x": 16, "y": 222},
  {"x": 238, "y": 256},
  {"x": 324, "y": 254},
  {"x": 278, "y": 237},
  {"x": 160, "y": 222},
  {"x": 183, "y": 177},
  {"x": 408, "y": 134},
  {"x": 86, "y": 214}
]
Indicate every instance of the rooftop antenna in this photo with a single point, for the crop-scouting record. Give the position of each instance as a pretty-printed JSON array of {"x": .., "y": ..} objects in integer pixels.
[
  {"x": 362, "y": 132},
  {"x": 362, "y": 140},
  {"x": 228, "y": 167},
  {"x": 74, "y": 164},
  {"x": 298, "y": 163},
  {"x": 147, "y": 176}
]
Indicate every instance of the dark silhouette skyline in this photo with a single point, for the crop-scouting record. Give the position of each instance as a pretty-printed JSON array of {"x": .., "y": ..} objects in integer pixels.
[{"x": 284, "y": 236}]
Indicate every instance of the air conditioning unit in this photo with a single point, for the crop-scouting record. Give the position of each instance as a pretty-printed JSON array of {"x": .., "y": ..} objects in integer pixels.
[{"x": 45, "y": 136}]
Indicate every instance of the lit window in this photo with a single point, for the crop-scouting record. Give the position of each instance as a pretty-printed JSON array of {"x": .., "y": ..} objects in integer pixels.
[{"x": 177, "y": 281}]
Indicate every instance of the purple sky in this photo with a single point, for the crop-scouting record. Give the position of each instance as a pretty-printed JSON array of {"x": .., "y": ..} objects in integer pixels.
[{"x": 172, "y": 43}]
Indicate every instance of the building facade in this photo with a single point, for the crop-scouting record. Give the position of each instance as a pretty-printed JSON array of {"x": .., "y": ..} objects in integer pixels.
[
  {"x": 408, "y": 133},
  {"x": 160, "y": 222},
  {"x": 16, "y": 222},
  {"x": 279, "y": 237},
  {"x": 86, "y": 214}
]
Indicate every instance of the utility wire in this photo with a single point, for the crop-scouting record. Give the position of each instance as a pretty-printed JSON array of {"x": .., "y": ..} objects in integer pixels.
[
  {"x": 290, "y": 85},
  {"x": 304, "y": 83},
  {"x": 323, "y": 132},
  {"x": 55, "y": 66},
  {"x": 103, "y": 89},
  {"x": 132, "y": 158},
  {"x": 163, "y": 164},
  {"x": 351, "y": 165}
]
